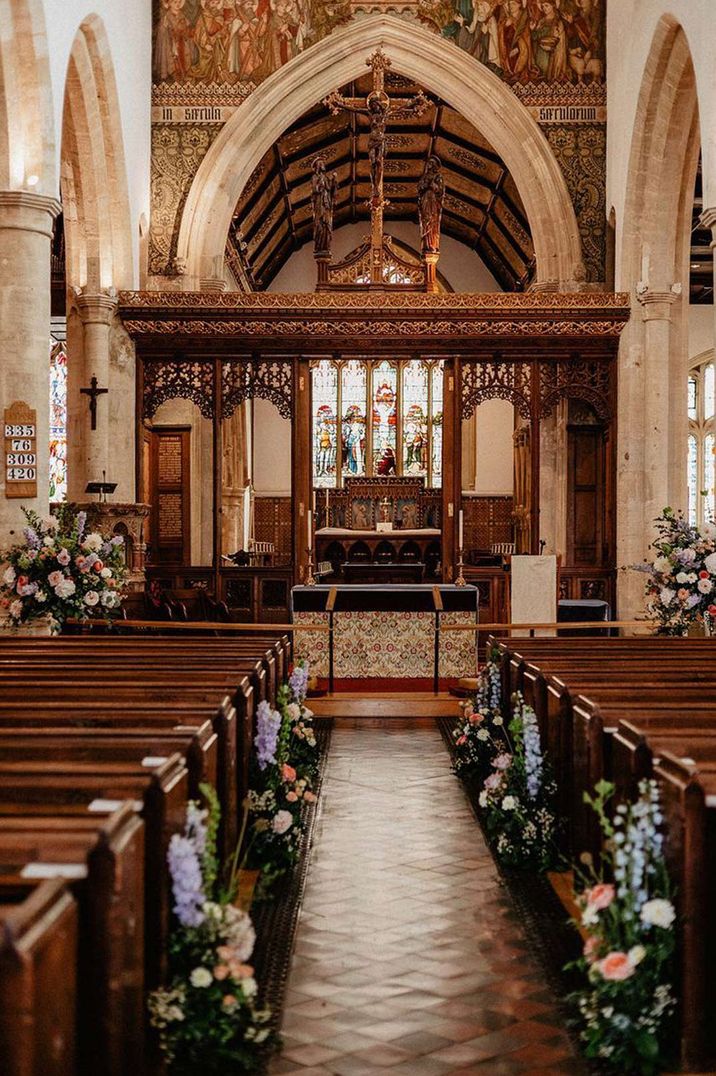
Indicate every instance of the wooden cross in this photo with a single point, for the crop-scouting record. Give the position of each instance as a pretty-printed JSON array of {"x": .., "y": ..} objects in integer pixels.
[
  {"x": 379, "y": 108},
  {"x": 93, "y": 392}
]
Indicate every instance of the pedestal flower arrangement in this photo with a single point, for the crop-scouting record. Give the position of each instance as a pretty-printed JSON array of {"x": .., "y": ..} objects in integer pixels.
[
  {"x": 62, "y": 570},
  {"x": 681, "y": 580},
  {"x": 479, "y": 734},
  {"x": 284, "y": 768},
  {"x": 207, "y": 1016},
  {"x": 626, "y": 1002}
]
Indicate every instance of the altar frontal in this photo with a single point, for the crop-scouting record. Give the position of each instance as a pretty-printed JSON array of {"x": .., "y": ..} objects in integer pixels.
[{"x": 387, "y": 632}]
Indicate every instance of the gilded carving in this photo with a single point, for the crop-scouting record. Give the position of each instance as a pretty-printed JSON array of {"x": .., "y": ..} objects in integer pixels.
[
  {"x": 429, "y": 328},
  {"x": 269, "y": 379},
  {"x": 496, "y": 380},
  {"x": 179, "y": 379}
]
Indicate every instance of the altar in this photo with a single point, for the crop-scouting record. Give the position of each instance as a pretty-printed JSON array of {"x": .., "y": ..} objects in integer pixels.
[{"x": 386, "y": 632}]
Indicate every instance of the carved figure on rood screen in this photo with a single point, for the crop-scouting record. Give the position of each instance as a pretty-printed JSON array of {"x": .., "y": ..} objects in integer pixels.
[
  {"x": 431, "y": 192},
  {"x": 323, "y": 193}
]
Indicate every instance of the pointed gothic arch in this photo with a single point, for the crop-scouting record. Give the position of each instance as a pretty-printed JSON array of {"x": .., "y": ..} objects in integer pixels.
[
  {"x": 93, "y": 177},
  {"x": 456, "y": 77},
  {"x": 27, "y": 144}
]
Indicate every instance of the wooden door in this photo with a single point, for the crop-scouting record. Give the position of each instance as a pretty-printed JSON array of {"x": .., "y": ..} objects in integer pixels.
[
  {"x": 585, "y": 496},
  {"x": 170, "y": 495}
]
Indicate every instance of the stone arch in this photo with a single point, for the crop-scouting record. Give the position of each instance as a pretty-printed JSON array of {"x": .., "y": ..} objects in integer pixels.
[
  {"x": 93, "y": 177},
  {"x": 27, "y": 144},
  {"x": 655, "y": 245},
  {"x": 436, "y": 64}
]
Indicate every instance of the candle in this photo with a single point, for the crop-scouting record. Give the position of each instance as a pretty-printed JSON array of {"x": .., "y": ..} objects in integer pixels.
[
  {"x": 313, "y": 500},
  {"x": 310, "y": 531},
  {"x": 460, "y": 528}
]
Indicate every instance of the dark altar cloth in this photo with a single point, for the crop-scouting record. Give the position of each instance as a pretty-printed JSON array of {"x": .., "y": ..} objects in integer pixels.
[{"x": 386, "y": 598}]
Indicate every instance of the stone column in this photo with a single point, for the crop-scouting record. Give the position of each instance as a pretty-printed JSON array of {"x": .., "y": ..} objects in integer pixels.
[
  {"x": 658, "y": 443},
  {"x": 25, "y": 237},
  {"x": 96, "y": 310}
]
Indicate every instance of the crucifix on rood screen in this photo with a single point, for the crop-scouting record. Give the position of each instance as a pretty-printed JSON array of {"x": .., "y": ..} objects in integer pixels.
[
  {"x": 93, "y": 392},
  {"x": 378, "y": 107}
]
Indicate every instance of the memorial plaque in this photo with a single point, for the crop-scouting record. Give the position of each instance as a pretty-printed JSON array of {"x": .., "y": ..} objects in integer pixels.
[{"x": 20, "y": 433}]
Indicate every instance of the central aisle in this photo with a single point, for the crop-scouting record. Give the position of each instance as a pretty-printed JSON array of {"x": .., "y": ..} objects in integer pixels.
[{"x": 409, "y": 958}]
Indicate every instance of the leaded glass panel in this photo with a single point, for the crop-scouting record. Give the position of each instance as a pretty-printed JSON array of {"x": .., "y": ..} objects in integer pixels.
[
  {"x": 437, "y": 421},
  {"x": 385, "y": 416},
  {"x": 58, "y": 421},
  {"x": 709, "y": 393},
  {"x": 325, "y": 410},
  {"x": 354, "y": 385},
  {"x": 415, "y": 418}
]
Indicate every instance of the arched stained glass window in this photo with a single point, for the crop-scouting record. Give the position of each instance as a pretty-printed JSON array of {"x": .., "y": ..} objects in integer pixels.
[
  {"x": 58, "y": 421},
  {"x": 701, "y": 467},
  {"x": 389, "y": 418}
]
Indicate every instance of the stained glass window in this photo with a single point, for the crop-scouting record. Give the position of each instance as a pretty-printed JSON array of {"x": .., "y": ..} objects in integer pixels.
[
  {"x": 702, "y": 442},
  {"x": 325, "y": 400},
  {"x": 389, "y": 415},
  {"x": 354, "y": 381},
  {"x": 415, "y": 418},
  {"x": 693, "y": 479},
  {"x": 385, "y": 418},
  {"x": 437, "y": 423},
  {"x": 58, "y": 421}
]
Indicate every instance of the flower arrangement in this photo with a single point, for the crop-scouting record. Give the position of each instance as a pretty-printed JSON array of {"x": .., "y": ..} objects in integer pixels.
[
  {"x": 517, "y": 797},
  {"x": 680, "y": 588},
  {"x": 285, "y": 766},
  {"x": 479, "y": 734},
  {"x": 62, "y": 570},
  {"x": 627, "y": 913},
  {"x": 207, "y": 1016}
]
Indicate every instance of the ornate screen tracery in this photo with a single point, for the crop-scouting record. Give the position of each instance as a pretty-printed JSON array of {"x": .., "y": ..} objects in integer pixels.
[{"x": 390, "y": 419}]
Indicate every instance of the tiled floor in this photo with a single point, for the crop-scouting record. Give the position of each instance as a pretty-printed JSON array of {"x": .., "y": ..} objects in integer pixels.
[{"x": 409, "y": 958}]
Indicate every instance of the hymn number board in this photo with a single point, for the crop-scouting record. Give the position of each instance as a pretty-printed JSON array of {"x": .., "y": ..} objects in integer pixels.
[{"x": 20, "y": 431}]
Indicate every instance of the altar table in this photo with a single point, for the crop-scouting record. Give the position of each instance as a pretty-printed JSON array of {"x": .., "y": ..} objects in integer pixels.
[{"x": 386, "y": 632}]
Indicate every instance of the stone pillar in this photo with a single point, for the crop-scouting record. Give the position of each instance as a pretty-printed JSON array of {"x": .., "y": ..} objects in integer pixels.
[
  {"x": 96, "y": 310},
  {"x": 656, "y": 314},
  {"x": 25, "y": 236}
]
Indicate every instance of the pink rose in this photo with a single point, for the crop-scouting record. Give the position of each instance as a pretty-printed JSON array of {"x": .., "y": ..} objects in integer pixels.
[
  {"x": 591, "y": 947},
  {"x": 309, "y": 797},
  {"x": 476, "y": 719},
  {"x": 97, "y": 566},
  {"x": 493, "y": 781},
  {"x": 461, "y": 741},
  {"x": 600, "y": 896},
  {"x": 468, "y": 709},
  {"x": 291, "y": 797},
  {"x": 288, "y": 773},
  {"x": 616, "y": 967},
  {"x": 54, "y": 578},
  {"x": 502, "y": 762}
]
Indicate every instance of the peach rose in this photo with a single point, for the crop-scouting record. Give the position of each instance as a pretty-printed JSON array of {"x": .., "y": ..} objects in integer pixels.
[
  {"x": 309, "y": 797},
  {"x": 591, "y": 947},
  {"x": 288, "y": 773},
  {"x": 241, "y": 971},
  {"x": 600, "y": 896},
  {"x": 291, "y": 797},
  {"x": 476, "y": 719},
  {"x": 616, "y": 967},
  {"x": 221, "y": 971},
  {"x": 228, "y": 1001}
]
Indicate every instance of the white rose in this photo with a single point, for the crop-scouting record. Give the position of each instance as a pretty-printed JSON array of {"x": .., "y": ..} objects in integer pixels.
[
  {"x": 201, "y": 978},
  {"x": 9, "y": 577},
  {"x": 667, "y": 596},
  {"x": 636, "y": 954},
  {"x": 658, "y": 913},
  {"x": 65, "y": 588},
  {"x": 110, "y": 599},
  {"x": 282, "y": 822},
  {"x": 483, "y": 799},
  {"x": 93, "y": 542},
  {"x": 307, "y": 714},
  {"x": 106, "y": 573},
  {"x": 710, "y": 563},
  {"x": 497, "y": 720},
  {"x": 683, "y": 577},
  {"x": 40, "y": 596},
  {"x": 705, "y": 586},
  {"x": 662, "y": 564},
  {"x": 91, "y": 597},
  {"x": 509, "y": 803},
  {"x": 49, "y": 542},
  {"x": 249, "y": 987},
  {"x": 16, "y": 610},
  {"x": 294, "y": 711},
  {"x": 483, "y": 734}
]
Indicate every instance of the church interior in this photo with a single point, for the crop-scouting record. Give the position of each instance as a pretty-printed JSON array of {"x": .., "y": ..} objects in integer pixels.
[{"x": 357, "y": 537}]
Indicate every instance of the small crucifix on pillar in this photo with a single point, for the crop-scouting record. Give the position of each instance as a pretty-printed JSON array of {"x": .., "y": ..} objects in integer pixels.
[
  {"x": 93, "y": 392},
  {"x": 378, "y": 108}
]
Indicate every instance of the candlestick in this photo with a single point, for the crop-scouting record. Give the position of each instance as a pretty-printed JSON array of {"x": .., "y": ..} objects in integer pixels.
[
  {"x": 310, "y": 578},
  {"x": 460, "y": 580}
]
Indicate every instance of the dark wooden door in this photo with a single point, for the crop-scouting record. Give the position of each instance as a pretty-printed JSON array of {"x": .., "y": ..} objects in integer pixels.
[{"x": 170, "y": 495}]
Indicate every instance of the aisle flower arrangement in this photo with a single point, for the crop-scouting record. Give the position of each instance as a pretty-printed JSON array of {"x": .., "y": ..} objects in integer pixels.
[
  {"x": 626, "y": 1002},
  {"x": 479, "y": 734},
  {"x": 284, "y": 769},
  {"x": 518, "y": 797},
  {"x": 62, "y": 569},
  {"x": 681, "y": 580},
  {"x": 207, "y": 1016}
]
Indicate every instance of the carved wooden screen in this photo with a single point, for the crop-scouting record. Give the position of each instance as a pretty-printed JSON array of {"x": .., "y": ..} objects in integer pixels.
[{"x": 170, "y": 495}]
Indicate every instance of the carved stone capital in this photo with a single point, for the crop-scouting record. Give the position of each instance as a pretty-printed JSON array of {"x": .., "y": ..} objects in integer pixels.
[
  {"x": 212, "y": 283},
  {"x": 708, "y": 220},
  {"x": 657, "y": 302},
  {"x": 27, "y": 211},
  {"x": 96, "y": 307}
]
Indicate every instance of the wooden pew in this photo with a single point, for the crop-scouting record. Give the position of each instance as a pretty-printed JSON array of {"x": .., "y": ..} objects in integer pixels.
[
  {"x": 38, "y": 978},
  {"x": 103, "y": 861},
  {"x": 70, "y": 788}
]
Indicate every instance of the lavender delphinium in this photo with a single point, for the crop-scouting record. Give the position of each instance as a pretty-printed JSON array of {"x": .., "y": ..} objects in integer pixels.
[
  {"x": 268, "y": 725},
  {"x": 533, "y": 752},
  {"x": 187, "y": 881},
  {"x": 298, "y": 682}
]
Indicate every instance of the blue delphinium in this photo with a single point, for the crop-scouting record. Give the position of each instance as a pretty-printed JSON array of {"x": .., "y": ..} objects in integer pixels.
[
  {"x": 187, "y": 882},
  {"x": 268, "y": 725},
  {"x": 298, "y": 682}
]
